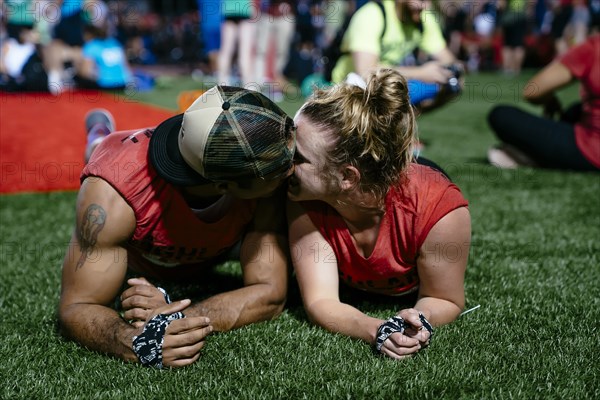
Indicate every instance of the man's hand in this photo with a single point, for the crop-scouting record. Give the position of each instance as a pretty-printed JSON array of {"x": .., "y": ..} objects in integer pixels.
[
  {"x": 141, "y": 301},
  {"x": 184, "y": 338}
]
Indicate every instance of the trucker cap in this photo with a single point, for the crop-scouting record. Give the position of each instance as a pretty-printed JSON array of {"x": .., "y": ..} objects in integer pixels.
[{"x": 228, "y": 133}]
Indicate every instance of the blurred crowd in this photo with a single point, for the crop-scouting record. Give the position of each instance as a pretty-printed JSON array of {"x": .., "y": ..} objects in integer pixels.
[{"x": 57, "y": 44}]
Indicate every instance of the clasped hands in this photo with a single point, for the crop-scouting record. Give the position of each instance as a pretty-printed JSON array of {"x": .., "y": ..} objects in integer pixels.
[
  {"x": 184, "y": 338},
  {"x": 415, "y": 337}
]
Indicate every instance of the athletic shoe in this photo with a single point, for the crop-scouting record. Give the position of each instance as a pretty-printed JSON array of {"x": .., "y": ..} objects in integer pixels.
[
  {"x": 99, "y": 116},
  {"x": 99, "y": 123},
  {"x": 508, "y": 157}
]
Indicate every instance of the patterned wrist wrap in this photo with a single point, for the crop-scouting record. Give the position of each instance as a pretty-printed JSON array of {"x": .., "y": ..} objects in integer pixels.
[
  {"x": 397, "y": 324},
  {"x": 147, "y": 346},
  {"x": 392, "y": 325}
]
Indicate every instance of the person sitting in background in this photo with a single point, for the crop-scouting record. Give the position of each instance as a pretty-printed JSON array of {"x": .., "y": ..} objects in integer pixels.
[
  {"x": 379, "y": 222},
  {"x": 66, "y": 42},
  {"x": 388, "y": 37},
  {"x": 103, "y": 63},
  {"x": 562, "y": 140},
  {"x": 168, "y": 204},
  {"x": 21, "y": 66}
]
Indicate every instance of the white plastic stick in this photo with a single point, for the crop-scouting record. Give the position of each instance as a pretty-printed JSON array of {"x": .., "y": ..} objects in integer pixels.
[{"x": 471, "y": 309}]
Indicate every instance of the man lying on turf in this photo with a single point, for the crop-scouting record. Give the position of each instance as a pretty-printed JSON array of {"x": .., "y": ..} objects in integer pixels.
[{"x": 167, "y": 203}]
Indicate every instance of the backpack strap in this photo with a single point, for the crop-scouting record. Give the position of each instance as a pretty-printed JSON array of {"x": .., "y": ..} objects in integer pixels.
[{"x": 382, "y": 8}]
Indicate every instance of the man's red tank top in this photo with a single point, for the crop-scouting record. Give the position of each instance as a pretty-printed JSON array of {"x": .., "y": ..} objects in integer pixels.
[
  {"x": 412, "y": 209},
  {"x": 169, "y": 240}
]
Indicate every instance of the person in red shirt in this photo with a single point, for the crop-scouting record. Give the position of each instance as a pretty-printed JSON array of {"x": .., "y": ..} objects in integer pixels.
[
  {"x": 166, "y": 204},
  {"x": 571, "y": 141},
  {"x": 361, "y": 212}
]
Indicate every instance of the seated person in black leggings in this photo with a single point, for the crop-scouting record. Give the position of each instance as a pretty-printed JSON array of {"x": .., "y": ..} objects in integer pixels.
[{"x": 571, "y": 141}]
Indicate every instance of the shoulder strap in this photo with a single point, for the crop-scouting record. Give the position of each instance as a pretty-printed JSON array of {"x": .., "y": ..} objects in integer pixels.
[{"x": 382, "y": 8}]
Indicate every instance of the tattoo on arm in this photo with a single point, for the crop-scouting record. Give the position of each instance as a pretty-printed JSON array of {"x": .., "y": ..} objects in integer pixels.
[{"x": 91, "y": 225}]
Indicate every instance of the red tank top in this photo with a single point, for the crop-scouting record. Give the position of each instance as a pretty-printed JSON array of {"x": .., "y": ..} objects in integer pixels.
[
  {"x": 412, "y": 209},
  {"x": 169, "y": 240},
  {"x": 584, "y": 63}
]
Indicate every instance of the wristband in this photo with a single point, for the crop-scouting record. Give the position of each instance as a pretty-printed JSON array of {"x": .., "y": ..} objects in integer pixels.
[
  {"x": 168, "y": 301},
  {"x": 392, "y": 325},
  {"x": 426, "y": 325},
  {"x": 147, "y": 346}
]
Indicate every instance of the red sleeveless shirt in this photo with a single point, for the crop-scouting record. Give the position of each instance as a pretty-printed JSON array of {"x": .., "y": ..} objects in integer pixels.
[
  {"x": 169, "y": 241},
  {"x": 412, "y": 209}
]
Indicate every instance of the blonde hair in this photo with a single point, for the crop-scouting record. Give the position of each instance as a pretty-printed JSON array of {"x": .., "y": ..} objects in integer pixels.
[{"x": 374, "y": 128}]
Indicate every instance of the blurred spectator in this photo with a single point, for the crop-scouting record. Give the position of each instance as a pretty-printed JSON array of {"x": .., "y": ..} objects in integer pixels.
[
  {"x": 579, "y": 23},
  {"x": 304, "y": 53},
  {"x": 275, "y": 26},
  {"x": 21, "y": 67},
  {"x": 103, "y": 64},
  {"x": 18, "y": 14},
  {"x": 594, "y": 7},
  {"x": 374, "y": 39},
  {"x": 571, "y": 21},
  {"x": 336, "y": 12},
  {"x": 514, "y": 16},
  {"x": 470, "y": 28},
  {"x": 238, "y": 28},
  {"x": 67, "y": 39},
  {"x": 570, "y": 142},
  {"x": 210, "y": 26}
]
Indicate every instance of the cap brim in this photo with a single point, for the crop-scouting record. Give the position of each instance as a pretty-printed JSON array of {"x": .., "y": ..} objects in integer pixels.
[{"x": 166, "y": 158}]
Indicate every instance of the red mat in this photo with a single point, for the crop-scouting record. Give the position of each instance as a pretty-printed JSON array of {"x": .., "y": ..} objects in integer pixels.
[{"x": 42, "y": 137}]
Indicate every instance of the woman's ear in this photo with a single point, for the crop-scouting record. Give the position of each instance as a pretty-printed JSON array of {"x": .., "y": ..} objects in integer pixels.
[{"x": 350, "y": 177}]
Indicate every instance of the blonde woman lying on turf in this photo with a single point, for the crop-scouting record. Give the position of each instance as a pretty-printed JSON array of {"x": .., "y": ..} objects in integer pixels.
[{"x": 379, "y": 221}]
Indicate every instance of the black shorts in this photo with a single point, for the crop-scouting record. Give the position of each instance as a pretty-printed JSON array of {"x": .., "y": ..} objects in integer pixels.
[
  {"x": 514, "y": 28},
  {"x": 70, "y": 30}
]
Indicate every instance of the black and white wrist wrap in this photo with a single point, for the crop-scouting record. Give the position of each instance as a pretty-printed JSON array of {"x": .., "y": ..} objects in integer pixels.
[
  {"x": 147, "y": 346},
  {"x": 397, "y": 324}
]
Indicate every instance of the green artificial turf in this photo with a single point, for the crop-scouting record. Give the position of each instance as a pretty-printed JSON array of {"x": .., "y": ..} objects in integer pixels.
[{"x": 534, "y": 269}]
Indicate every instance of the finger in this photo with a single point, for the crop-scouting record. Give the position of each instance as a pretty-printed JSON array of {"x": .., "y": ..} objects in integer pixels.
[
  {"x": 185, "y": 352},
  {"x": 180, "y": 362},
  {"x": 398, "y": 340},
  {"x": 138, "y": 281},
  {"x": 392, "y": 354},
  {"x": 174, "y": 307},
  {"x": 137, "y": 314},
  {"x": 189, "y": 338},
  {"x": 422, "y": 335},
  {"x": 187, "y": 324},
  {"x": 138, "y": 324},
  {"x": 140, "y": 302},
  {"x": 138, "y": 290},
  {"x": 411, "y": 317},
  {"x": 401, "y": 350}
]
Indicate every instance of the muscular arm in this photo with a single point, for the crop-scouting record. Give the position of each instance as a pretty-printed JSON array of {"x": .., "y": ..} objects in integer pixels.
[
  {"x": 264, "y": 260},
  {"x": 441, "y": 264},
  {"x": 94, "y": 269}
]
